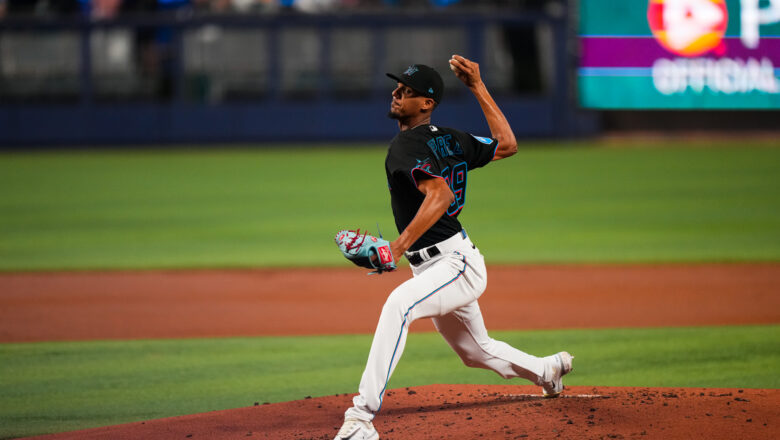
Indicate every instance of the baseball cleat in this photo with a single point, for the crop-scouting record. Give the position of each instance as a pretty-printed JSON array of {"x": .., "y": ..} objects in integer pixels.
[
  {"x": 354, "y": 429},
  {"x": 561, "y": 365}
]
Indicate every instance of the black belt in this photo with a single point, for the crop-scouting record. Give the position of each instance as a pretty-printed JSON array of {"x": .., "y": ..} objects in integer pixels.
[{"x": 416, "y": 257}]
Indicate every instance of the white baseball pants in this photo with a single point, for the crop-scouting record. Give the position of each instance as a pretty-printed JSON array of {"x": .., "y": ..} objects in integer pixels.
[{"x": 444, "y": 288}]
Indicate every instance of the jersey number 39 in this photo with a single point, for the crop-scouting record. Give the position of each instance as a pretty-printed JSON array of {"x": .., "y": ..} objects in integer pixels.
[{"x": 456, "y": 179}]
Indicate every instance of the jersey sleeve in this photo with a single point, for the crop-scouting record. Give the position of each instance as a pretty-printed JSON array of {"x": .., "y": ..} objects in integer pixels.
[
  {"x": 479, "y": 150},
  {"x": 413, "y": 161}
]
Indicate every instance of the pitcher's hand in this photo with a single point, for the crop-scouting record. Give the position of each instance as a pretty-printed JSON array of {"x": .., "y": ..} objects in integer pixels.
[{"x": 466, "y": 70}]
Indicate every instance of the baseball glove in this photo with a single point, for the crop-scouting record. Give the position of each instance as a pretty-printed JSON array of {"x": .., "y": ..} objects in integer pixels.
[{"x": 365, "y": 250}]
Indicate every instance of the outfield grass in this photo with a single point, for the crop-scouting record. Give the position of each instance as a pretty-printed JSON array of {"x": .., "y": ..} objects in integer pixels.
[
  {"x": 51, "y": 387},
  {"x": 281, "y": 206}
]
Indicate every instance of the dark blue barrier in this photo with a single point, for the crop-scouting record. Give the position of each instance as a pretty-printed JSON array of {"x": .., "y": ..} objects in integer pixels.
[
  {"x": 318, "y": 121},
  {"x": 322, "y": 115}
]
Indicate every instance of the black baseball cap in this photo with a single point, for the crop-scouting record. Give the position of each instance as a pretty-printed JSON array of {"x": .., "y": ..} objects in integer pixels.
[{"x": 423, "y": 80}]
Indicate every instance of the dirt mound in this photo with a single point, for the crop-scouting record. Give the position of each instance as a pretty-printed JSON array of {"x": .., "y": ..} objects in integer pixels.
[{"x": 471, "y": 412}]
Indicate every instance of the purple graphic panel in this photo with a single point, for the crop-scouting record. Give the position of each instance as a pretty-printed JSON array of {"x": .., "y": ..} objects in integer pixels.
[{"x": 643, "y": 51}]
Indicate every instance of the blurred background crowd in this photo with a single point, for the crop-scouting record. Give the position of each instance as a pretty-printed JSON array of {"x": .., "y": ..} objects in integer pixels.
[
  {"x": 106, "y": 9},
  {"x": 195, "y": 50}
]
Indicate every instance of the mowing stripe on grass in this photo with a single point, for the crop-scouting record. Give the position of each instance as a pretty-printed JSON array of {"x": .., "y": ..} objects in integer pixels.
[{"x": 251, "y": 208}]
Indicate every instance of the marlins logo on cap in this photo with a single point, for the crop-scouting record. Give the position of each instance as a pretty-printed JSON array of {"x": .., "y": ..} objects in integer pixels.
[{"x": 422, "y": 79}]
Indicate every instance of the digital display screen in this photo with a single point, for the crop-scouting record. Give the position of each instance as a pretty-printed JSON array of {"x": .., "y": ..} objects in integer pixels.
[{"x": 679, "y": 54}]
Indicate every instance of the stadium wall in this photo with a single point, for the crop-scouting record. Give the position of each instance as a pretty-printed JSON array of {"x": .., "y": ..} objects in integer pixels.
[{"x": 289, "y": 77}]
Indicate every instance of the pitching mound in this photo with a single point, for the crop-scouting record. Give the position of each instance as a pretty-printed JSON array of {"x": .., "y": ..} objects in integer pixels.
[{"x": 471, "y": 412}]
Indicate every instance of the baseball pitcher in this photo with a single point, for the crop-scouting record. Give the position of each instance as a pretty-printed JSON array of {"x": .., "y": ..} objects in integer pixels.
[{"x": 427, "y": 170}]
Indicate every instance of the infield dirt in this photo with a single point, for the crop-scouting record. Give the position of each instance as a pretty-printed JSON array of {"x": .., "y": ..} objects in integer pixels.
[{"x": 183, "y": 304}]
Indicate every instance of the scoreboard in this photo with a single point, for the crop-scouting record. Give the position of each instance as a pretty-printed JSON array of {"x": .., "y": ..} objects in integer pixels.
[{"x": 679, "y": 54}]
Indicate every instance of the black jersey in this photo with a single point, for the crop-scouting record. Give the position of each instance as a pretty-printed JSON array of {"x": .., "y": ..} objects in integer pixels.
[{"x": 425, "y": 152}]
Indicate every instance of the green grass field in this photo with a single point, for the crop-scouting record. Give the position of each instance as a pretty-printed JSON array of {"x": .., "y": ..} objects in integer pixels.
[{"x": 280, "y": 206}]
